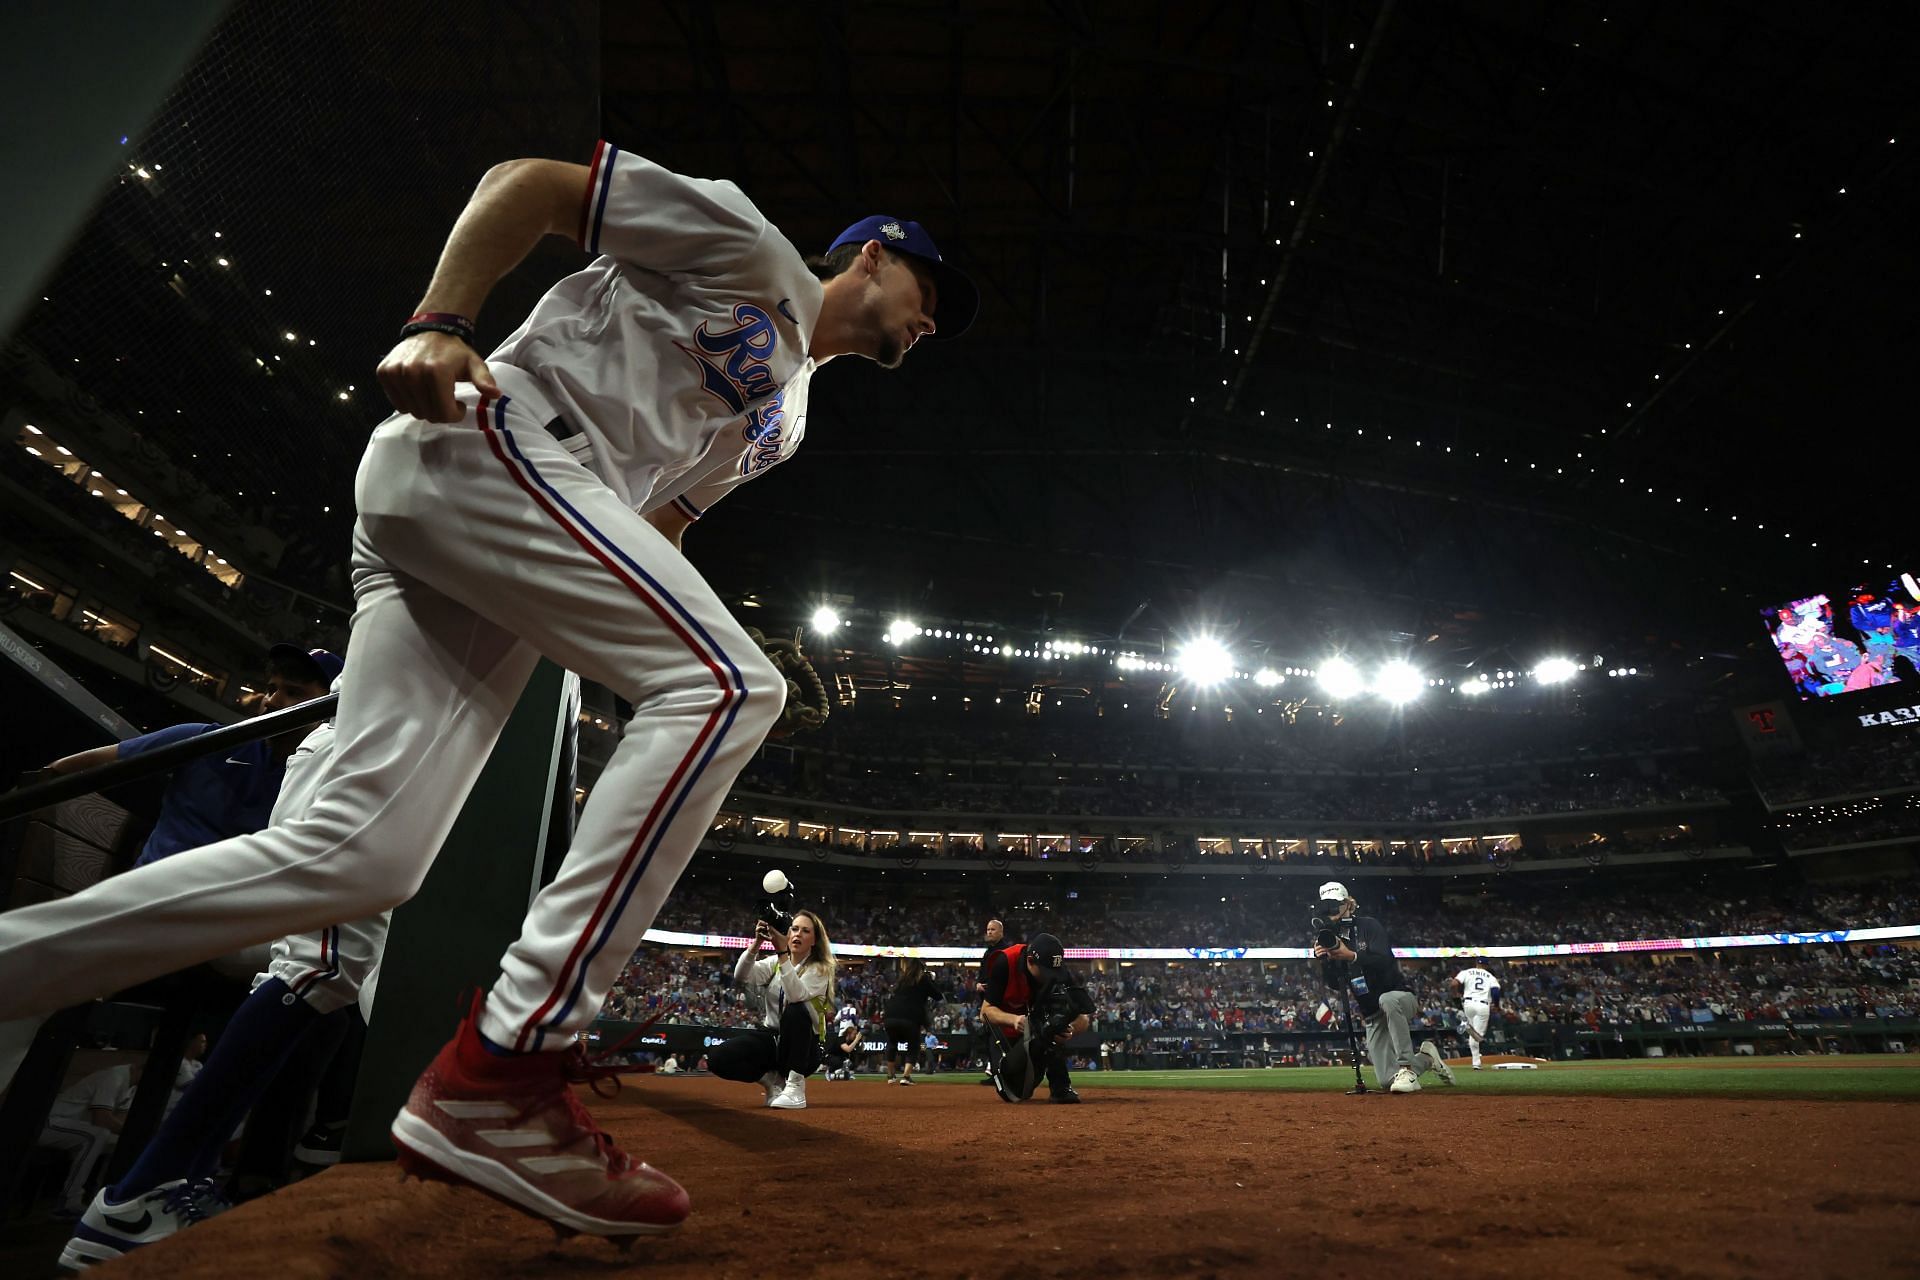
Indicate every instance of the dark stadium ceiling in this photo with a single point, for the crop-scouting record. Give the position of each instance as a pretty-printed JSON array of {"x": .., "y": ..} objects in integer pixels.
[{"x": 1506, "y": 323}]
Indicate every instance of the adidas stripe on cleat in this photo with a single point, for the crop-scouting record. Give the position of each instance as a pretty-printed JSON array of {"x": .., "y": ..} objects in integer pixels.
[{"x": 511, "y": 1126}]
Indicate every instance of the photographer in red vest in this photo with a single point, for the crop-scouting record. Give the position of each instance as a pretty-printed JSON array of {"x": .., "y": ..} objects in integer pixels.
[{"x": 1036, "y": 1005}]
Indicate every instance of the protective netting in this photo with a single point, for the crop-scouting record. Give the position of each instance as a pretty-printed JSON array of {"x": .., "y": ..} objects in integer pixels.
[{"x": 280, "y": 215}]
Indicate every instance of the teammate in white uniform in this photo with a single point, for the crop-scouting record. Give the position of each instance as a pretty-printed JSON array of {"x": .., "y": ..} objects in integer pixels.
[
  {"x": 1479, "y": 996},
  {"x": 535, "y": 505}
]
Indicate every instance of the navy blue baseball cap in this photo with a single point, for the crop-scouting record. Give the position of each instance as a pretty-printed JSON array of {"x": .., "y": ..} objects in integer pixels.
[
  {"x": 325, "y": 664},
  {"x": 959, "y": 300}
]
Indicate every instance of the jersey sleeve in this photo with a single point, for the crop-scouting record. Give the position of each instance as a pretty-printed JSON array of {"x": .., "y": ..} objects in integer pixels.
[
  {"x": 160, "y": 738},
  {"x": 648, "y": 216}
]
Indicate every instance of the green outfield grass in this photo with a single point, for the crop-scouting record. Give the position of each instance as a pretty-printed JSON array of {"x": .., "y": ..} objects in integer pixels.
[{"x": 1853, "y": 1077}]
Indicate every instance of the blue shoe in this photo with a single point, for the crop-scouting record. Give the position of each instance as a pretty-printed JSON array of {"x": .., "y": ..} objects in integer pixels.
[{"x": 107, "y": 1230}]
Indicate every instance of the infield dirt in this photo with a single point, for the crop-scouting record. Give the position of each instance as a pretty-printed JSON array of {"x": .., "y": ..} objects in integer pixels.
[{"x": 875, "y": 1180}]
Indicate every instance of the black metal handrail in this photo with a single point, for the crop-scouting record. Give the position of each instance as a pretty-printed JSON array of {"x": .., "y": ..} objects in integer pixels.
[{"x": 22, "y": 801}]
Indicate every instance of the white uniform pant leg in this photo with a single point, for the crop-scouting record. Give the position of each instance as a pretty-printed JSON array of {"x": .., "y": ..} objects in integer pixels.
[
  {"x": 329, "y": 967},
  {"x": 86, "y": 1143},
  {"x": 427, "y": 688},
  {"x": 1476, "y": 1014},
  {"x": 515, "y": 526}
]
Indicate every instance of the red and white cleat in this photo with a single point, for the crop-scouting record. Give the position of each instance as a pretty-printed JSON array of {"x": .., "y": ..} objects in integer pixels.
[{"x": 510, "y": 1125}]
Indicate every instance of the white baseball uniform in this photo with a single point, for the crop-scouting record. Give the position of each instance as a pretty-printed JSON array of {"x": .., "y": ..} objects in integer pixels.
[
  {"x": 672, "y": 368},
  {"x": 1477, "y": 989},
  {"x": 329, "y": 968}
]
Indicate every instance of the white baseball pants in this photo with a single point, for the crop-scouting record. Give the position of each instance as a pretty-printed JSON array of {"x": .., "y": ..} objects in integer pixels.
[
  {"x": 329, "y": 968},
  {"x": 480, "y": 545},
  {"x": 1475, "y": 1014}
]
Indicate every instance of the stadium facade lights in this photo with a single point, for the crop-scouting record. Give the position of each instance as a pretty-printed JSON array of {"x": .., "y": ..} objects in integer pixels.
[
  {"x": 1341, "y": 678},
  {"x": 900, "y": 631},
  {"x": 1475, "y": 687},
  {"x": 825, "y": 620},
  {"x": 1556, "y": 670},
  {"x": 1204, "y": 661},
  {"x": 1267, "y": 678},
  {"x": 1399, "y": 682}
]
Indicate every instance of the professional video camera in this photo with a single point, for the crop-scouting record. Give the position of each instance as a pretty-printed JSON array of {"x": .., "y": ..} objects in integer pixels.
[
  {"x": 778, "y": 909},
  {"x": 1054, "y": 1011}
]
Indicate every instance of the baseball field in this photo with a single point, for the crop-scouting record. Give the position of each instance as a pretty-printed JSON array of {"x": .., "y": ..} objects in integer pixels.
[{"x": 1690, "y": 1168}]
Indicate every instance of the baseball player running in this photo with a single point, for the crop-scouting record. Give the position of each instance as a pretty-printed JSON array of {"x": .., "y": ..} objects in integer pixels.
[
  {"x": 1479, "y": 996},
  {"x": 534, "y": 503}
]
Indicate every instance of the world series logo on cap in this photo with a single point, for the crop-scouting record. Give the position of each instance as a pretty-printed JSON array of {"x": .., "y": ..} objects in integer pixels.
[{"x": 892, "y": 231}]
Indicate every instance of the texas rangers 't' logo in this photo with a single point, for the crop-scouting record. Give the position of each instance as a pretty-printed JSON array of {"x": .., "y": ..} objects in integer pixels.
[{"x": 733, "y": 362}]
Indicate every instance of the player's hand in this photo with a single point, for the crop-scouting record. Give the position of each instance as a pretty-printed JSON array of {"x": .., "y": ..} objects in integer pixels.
[
  {"x": 1020, "y": 1024},
  {"x": 419, "y": 373}
]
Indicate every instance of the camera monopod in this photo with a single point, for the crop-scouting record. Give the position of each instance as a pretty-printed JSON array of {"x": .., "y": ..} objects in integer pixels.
[{"x": 1353, "y": 1042}]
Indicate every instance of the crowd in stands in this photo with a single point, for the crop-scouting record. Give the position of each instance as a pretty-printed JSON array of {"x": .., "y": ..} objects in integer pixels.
[
  {"x": 897, "y": 786},
  {"x": 1858, "y": 822},
  {"x": 1263, "y": 743},
  {"x": 1862, "y": 764},
  {"x": 1142, "y": 1000},
  {"x": 1276, "y": 914}
]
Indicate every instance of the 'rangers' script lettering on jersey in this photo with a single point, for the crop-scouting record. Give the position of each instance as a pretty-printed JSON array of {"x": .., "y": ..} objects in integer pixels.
[
  {"x": 733, "y": 362},
  {"x": 763, "y": 432}
]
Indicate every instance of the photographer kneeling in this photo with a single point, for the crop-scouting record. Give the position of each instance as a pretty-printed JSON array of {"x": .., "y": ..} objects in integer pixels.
[
  {"x": 1379, "y": 989},
  {"x": 1034, "y": 1004},
  {"x": 793, "y": 986}
]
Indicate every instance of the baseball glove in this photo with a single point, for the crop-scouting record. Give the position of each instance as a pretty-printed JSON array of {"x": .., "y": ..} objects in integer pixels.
[{"x": 806, "y": 696}]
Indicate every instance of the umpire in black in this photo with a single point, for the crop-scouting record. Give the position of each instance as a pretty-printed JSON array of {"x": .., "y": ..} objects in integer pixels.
[
  {"x": 1033, "y": 1004},
  {"x": 1380, "y": 990}
]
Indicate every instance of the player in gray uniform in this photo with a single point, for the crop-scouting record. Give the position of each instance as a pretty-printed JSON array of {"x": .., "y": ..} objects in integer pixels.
[
  {"x": 533, "y": 504},
  {"x": 1382, "y": 995}
]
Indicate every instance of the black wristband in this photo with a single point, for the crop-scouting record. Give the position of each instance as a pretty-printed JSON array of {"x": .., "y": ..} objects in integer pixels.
[{"x": 464, "y": 333}]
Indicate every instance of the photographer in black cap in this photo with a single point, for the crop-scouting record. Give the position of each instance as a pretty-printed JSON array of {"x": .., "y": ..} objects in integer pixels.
[
  {"x": 1035, "y": 1004},
  {"x": 1378, "y": 987}
]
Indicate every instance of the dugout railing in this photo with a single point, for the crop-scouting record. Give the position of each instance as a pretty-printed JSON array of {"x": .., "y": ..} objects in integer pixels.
[{"x": 58, "y": 835}]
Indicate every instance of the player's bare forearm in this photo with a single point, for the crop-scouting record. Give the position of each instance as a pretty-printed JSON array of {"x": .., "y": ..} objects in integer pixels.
[{"x": 516, "y": 204}]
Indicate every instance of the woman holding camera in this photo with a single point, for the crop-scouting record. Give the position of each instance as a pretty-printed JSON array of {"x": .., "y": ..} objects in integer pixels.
[
  {"x": 905, "y": 1014},
  {"x": 793, "y": 987}
]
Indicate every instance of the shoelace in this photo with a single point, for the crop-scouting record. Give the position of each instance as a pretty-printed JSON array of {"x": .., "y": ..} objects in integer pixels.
[
  {"x": 193, "y": 1201},
  {"x": 580, "y": 1067},
  {"x": 577, "y": 1066}
]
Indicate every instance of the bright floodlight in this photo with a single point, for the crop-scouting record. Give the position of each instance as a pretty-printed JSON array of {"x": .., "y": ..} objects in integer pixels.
[
  {"x": 1205, "y": 661},
  {"x": 1476, "y": 686},
  {"x": 825, "y": 620},
  {"x": 1340, "y": 678},
  {"x": 1267, "y": 677},
  {"x": 1555, "y": 670},
  {"x": 900, "y": 630},
  {"x": 1398, "y": 682}
]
